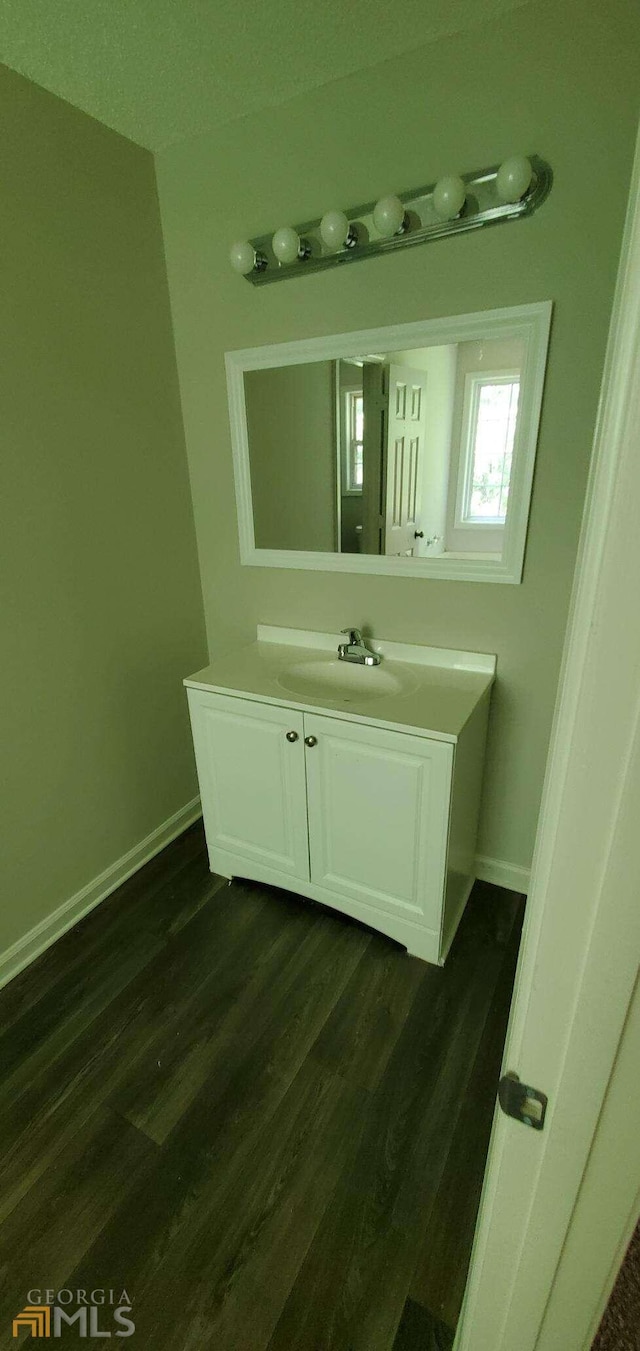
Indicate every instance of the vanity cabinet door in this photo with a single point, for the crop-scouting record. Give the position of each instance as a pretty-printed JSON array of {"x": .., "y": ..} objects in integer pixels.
[
  {"x": 379, "y": 816},
  {"x": 250, "y": 759}
]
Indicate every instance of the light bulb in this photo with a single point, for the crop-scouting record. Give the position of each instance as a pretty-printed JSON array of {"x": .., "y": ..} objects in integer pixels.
[
  {"x": 286, "y": 244},
  {"x": 388, "y": 216},
  {"x": 513, "y": 178},
  {"x": 449, "y": 196},
  {"x": 242, "y": 257},
  {"x": 336, "y": 231}
]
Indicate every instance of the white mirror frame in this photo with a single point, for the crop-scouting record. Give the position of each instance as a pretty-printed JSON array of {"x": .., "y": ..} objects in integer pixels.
[{"x": 531, "y": 323}]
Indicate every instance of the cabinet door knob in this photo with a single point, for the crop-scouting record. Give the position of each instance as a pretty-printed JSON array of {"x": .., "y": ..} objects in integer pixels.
[
  {"x": 311, "y": 741},
  {"x": 292, "y": 736}
]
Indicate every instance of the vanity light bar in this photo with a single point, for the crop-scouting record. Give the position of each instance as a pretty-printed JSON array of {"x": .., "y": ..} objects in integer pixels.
[{"x": 451, "y": 206}]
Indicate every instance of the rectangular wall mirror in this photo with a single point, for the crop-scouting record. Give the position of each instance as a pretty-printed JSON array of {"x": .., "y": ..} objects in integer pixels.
[{"x": 406, "y": 450}]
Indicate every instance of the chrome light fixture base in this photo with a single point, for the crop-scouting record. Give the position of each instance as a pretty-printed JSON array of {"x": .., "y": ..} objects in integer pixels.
[{"x": 421, "y": 224}]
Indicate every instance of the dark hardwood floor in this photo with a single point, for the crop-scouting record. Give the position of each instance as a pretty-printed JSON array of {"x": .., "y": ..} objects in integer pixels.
[{"x": 265, "y": 1122}]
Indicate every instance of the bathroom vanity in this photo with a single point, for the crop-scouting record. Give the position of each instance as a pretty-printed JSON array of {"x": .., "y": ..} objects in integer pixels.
[{"x": 357, "y": 786}]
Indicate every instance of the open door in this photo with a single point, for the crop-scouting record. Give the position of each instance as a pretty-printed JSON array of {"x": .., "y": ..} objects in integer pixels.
[
  {"x": 402, "y": 468},
  {"x": 581, "y": 945}
]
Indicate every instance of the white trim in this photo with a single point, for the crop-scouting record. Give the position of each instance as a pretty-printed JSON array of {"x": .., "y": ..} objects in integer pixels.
[
  {"x": 530, "y": 323},
  {"x": 509, "y": 875},
  {"x": 53, "y": 926},
  {"x": 581, "y": 945}
]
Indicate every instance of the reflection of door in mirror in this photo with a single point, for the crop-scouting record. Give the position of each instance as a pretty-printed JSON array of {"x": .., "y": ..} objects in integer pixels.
[
  {"x": 406, "y": 428},
  {"x": 405, "y": 498},
  {"x": 439, "y": 365},
  {"x": 395, "y": 503}
]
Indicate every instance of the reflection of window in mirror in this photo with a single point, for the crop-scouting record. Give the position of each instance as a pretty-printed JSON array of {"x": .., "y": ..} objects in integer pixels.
[
  {"x": 484, "y": 429},
  {"x": 489, "y": 426},
  {"x": 354, "y": 422}
]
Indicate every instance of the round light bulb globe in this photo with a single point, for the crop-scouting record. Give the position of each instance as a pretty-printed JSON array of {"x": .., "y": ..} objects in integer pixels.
[
  {"x": 388, "y": 215},
  {"x": 242, "y": 257},
  {"x": 449, "y": 196},
  {"x": 286, "y": 244},
  {"x": 334, "y": 228},
  {"x": 513, "y": 178}
]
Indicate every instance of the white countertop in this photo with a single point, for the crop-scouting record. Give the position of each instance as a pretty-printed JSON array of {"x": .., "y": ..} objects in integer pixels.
[{"x": 440, "y": 687}]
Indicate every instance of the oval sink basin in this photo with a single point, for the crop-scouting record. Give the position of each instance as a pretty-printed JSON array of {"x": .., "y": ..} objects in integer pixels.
[{"x": 342, "y": 680}]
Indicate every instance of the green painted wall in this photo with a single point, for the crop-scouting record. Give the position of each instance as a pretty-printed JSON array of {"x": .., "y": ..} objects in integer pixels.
[
  {"x": 294, "y": 493},
  {"x": 100, "y": 596},
  {"x": 560, "y": 80}
]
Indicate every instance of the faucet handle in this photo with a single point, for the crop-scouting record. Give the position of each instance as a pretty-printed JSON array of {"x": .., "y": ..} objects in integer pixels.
[{"x": 355, "y": 636}]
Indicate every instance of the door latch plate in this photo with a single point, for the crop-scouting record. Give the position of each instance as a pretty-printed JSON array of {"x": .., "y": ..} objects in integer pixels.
[{"x": 522, "y": 1102}]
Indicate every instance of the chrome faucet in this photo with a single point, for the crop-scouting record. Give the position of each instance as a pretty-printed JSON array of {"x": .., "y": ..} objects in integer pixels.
[{"x": 356, "y": 650}]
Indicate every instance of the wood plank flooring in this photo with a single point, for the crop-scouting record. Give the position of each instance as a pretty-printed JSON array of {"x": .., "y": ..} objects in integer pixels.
[{"x": 265, "y": 1122}]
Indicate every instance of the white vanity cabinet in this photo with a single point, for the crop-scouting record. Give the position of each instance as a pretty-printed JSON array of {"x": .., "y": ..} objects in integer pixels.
[
  {"x": 378, "y": 811},
  {"x": 250, "y": 760},
  {"x": 377, "y": 822}
]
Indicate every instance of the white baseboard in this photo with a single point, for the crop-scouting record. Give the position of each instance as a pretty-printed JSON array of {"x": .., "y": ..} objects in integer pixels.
[
  {"x": 27, "y": 948},
  {"x": 509, "y": 875}
]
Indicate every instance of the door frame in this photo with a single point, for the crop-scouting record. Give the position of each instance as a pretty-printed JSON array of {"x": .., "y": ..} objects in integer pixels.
[{"x": 581, "y": 944}]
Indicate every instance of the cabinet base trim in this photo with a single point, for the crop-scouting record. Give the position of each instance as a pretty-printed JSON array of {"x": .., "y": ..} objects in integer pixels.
[
  {"x": 419, "y": 941},
  {"x": 53, "y": 926},
  {"x": 501, "y": 874}
]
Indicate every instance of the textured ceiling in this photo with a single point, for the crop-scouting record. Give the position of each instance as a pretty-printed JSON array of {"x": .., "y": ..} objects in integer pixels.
[{"x": 159, "y": 71}]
